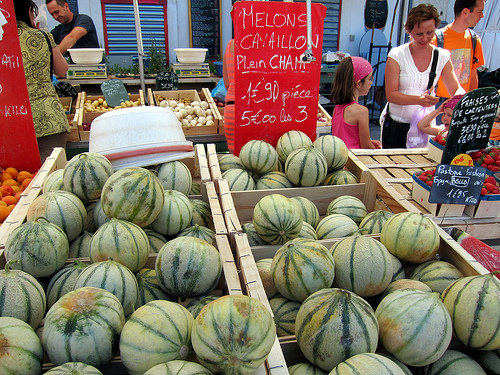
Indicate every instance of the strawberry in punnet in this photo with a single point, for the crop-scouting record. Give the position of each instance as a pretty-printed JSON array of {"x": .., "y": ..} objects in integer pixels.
[{"x": 490, "y": 186}]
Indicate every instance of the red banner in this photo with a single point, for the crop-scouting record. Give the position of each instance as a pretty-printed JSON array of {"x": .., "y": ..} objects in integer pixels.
[
  {"x": 275, "y": 90},
  {"x": 18, "y": 146}
]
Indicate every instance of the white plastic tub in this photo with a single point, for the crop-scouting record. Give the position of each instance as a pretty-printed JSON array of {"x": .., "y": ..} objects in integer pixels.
[
  {"x": 190, "y": 55},
  {"x": 86, "y": 56}
]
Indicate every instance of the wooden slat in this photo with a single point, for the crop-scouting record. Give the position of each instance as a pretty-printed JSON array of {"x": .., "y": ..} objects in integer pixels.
[{"x": 403, "y": 166}]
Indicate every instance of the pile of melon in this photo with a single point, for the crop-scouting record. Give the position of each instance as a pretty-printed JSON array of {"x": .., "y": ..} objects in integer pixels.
[
  {"x": 296, "y": 161},
  {"x": 82, "y": 285}
]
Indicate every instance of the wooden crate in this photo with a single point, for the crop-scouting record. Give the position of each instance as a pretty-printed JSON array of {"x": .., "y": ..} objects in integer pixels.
[
  {"x": 325, "y": 115},
  {"x": 67, "y": 102}
]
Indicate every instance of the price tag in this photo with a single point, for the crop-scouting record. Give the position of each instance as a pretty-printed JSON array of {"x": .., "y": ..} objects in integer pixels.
[
  {"x": 114, "y": 92},
  {"x": 462, "y": 159}
]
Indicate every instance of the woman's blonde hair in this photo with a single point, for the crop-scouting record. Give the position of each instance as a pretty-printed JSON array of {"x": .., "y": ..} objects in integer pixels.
[{"x": 421, "y": 13}]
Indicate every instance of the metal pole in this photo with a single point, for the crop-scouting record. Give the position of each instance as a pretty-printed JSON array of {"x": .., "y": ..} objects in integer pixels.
[
  {"x": 140, "y": 49},
  {"x": 307, "y": 56}
]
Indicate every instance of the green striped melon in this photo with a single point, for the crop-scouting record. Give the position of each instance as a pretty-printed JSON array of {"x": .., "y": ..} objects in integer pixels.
[
  {"x": 85, "y": 175},
  {"x": 398, "y": 270},
  {"x": 334, "y": 149},
  {"x": 158, "y": 332},
  {"x": 403, "y": 367},
  {"x": 414, "y": 326},
  {"x": 437, "y": 274},
  {"x": 134, "y": 194},
  {"x": 175, "y": 175},
  {"x": 21, "y": 351},
  {"x": 80, "y": 247},
  {"x": 362, "y": 265},
  {"x": 195, "y": 188},
  {"x": 308, "y": 231},
  {"x": 301, "y": 267},
  {"x": 489, "y": 360},
  {"x": 334, "y": 324},
  {"x": 240, "y": 320},
  {"x": 122, "y": 241},
  {"x": 253, "y": 237},
  {"x": 276, "y": 219},
  {"x": 96, "y": 319},
  {"x": 239, "y": 179},
  {"x": 63, "y": 281},
  {"x": 367, "y": 363},
  {"x": 258, "y": 156},
  {"x": 98, "y": 215},
  {"x": 40, "y": 247},
  {"x": 280, "y": 167},
  {"x": 349, "y": 206},
  {"x": 285, "y": 312},
  {"x": 305, "y": 369},
  {"x": 178, "y": 367},
  {"x": 156, "y": 240},
  {"x": 336, "y": 226},
  {"x": 188, "y": 267},
  {"x": 372, "y": 223},
  {"x": 339, "y": 177},
  {"x": 175, "y": 215},
  {"x": 202, "y": 213},
  {"x": 74, "y": 368},
  {"x": 61, "y": 208},
  {"x": 264, "y": 269},
  {"x": 273, "y": 180},
  {"x": 229, "y": 161},
  {"x": 89, "y": 223},
  {"x": 195, "y": 306},
  {"x": 203, "y": 233},
  {"x": 453, "y": 362},
  {"x": 411, "y": 237},
  {"x": 54, "y": 181},
  {"x": 308, "y": 210},
  {"x": 21, "y": 296},
  {"x": 289, "y": 142},
  {"x": 149, "y": 288},
  {"x": 113, "y": 277},
  {"x": 306, "y": 166},
  {"x": 474, "y": 305},
  {"x": 405, "y": 284}
]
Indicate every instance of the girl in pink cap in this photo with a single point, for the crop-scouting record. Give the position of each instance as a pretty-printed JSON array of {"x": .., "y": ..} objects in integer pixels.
[
  {"x": 428, "y": 126},
  {"x": 350, "y": 120}
]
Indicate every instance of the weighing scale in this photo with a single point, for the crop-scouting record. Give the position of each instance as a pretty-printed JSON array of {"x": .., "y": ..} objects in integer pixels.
[
  {"x": 83, "y": 71},
  {"x": 191, "y": 70}
]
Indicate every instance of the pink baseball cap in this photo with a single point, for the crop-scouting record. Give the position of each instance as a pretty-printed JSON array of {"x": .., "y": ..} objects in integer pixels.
[
  {"x": 452, "y": 102},
  {"x": 361, "y": 68}
]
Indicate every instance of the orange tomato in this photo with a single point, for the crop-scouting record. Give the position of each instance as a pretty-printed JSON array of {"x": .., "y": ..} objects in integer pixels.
[
  {"x": 12, "y": 171},
  {"x": 4, "y": 212}
]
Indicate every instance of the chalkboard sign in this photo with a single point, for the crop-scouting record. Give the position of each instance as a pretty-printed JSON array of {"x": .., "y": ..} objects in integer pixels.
[
  {"x": 167, "y": 81},
  {"x": 471, "y": 122},
  {"x": 376, "y": 13},
  {"x": 114, "y": 92},
  {"x": 275, "y": 91},
  {"x": 457, "y": 184},
  {"x": 204, "y": 26}
]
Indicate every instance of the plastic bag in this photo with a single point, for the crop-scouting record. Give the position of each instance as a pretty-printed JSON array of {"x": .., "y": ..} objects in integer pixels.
[
  {"x": 219, "y": 91},
  {"x": 417, "y": 138}
]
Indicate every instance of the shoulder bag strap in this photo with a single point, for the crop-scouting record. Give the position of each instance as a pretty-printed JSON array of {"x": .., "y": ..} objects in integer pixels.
[
  {"x": 432, "y": 74},
  {"x": 51, "y": 54}
]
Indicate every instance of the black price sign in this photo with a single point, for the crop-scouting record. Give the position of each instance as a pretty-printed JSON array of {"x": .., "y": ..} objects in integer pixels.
[
  {"x": 457, "y": 184},
  {"x": 204, "y": 21},
  {"x": 376, "y": 14},
  {"x": 471, "y": 122},
  {"x": 114, "y": 92}
]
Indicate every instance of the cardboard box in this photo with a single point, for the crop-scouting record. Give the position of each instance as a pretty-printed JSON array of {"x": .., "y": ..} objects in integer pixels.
[
  {"x": 435, "y": 151},
  {"x": 488, "y": 207}
]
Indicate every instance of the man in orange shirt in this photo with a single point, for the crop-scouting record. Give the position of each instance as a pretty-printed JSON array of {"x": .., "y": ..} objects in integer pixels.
[{"x": 458, "y": 39}]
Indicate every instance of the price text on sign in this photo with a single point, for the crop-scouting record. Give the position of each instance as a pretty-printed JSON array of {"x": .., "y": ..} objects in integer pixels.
[
  {"x": 275, "y": 90},
  {"x": 471, "y": 122},
  {"x": 457, "y": 184}
]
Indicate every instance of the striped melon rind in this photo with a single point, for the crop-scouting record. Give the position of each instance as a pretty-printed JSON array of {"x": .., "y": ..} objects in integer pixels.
[
  {"x": 175, "y": 215},
  {"x": 264, "y": 268},
  {"x": 113, "y": 277},
  {"x": 98, "y": 215},
  {"x": 202, "y": 213},
  {"x": 229, "y": 161},
  {"x": 273, "y": 180},
  {"x": 372, "y": 223},
  {"x": 339, "y": 177},
  {"x": 156, "y": 240},
  {"x": 158, "y": 332},
  {"x": 454, "y": 362},
  {"x": 307, "y": 209},
  {"x": 411, "y": 237},
  {"x": 336, "y": 226},
  {"x": 414, "y": 326},
  {"x": 305, "y": 369},
  {"x": 134, "y": 194},
  {"x": 474, "y": 305},
  {"x": 122, "y": 241},
  {"x": 405, "y": 284},
  {"x": 258, "y": 156},
  {"x": 489, "y": 360},
  {"x": 195, "y": 306},
  {"x": 85, "y": 175},
  {"x": 96, "y": 319},
  {"x": 54, "y": 181},
  {"x": 437, "y": 274},
  {"x": 22, "y": 352},
  {"x": 233, "y": 335},
  {"x": 362, "y": 265},
  {"x": 63, "y": 281},
  {"x": 80, "y": 247},
  {"x": 334, "y": 150},
  {"x": 334, "y": 324},
  {"x": 239, "y": 179},
  {"x": 276, "y": 219},
  {"x": 302, "y": 267},
  {"x": 149, "y": 288},
  {"x": 308, "y": 231},
  {"x": 90, "y": 225},
  {"x": 349, "y": 206},
  {"x": 74, "y": 368},
  {"x": 188, "y": 267},
  {"x": 175, "y": 175},
  {"x": 367, "y": 363},
  {"x": 306, "y": 166},
  {"x": 289, "y": 142},
  {"x": 398, "y": 270},
  {"x": 195, "y": 188},
  {"x": 253, "y": 237},
  {"x": 203, "y": 233},
  {"x": 285, "y": 312},
  {"x": 178, "y": 367}
]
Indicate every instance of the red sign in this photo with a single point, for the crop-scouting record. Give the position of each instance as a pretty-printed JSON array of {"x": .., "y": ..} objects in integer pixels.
[
  {"x": 18, "y": 146},
  {"x": 275, "y": 90}
]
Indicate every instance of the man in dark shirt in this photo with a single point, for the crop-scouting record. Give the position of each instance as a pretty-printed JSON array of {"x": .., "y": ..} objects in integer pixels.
[{"x": 75, "y": 30}]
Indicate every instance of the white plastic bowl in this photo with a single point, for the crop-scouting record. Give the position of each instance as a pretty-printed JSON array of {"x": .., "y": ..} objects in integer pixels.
[
  {"x": 190, "y": 55},
  {"x": 86, "y": 55},
  {"x": 139, "y": 137}
]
